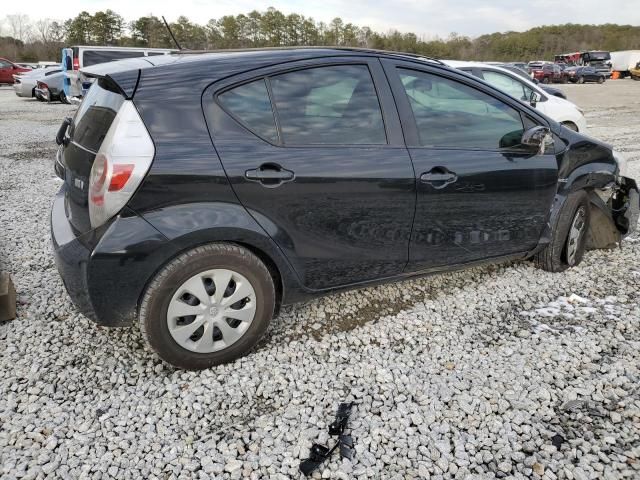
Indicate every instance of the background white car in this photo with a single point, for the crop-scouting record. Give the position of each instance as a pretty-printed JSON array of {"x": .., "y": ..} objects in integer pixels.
[
  {"x": 560, "y": 110},
  {"x": 24, "y": 84}
]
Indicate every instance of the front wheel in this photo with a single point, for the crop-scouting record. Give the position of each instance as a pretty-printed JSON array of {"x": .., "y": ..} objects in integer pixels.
[
  {"x": 209, "y": 306},
  {"x": 545, "y": 80},
  {"x": 600, "y": 80},
  {"x": 581, "y": 80},
  {"x": 568, "y": 238}
]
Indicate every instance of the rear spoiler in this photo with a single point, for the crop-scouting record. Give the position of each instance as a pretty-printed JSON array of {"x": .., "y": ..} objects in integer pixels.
[{"x": 123, "y": 74}]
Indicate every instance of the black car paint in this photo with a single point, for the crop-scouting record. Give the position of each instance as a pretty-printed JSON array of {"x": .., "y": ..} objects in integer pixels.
[
  {"x": 589, "y": 74},
  {"x": 188, "y": 198}
]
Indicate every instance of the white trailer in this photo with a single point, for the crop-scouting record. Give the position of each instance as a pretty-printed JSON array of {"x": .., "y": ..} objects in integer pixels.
[{"x": 624, "y": 60}]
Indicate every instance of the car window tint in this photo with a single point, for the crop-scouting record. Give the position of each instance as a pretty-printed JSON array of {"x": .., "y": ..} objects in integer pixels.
[
  {"x": 95, "y": 116},
  {"x": 92, "y": 57},
  {"x": 508, "y": 84},
  {"x": 251, "y": 105},
  {"x": 4, "y": 64},
  {"x": 449, "y": 113},
  {"x": 328, "y": 105}
]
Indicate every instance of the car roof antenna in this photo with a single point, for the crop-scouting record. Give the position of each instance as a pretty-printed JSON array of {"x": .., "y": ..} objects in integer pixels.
[{"x": 171, "y": 33}]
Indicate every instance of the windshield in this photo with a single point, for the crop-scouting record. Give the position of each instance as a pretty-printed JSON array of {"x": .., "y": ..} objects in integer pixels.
[{"x": 598, "y": 56}]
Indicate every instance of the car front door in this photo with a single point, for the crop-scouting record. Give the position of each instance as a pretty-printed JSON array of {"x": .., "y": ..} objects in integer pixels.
[
  {"x": 314, "y": 151},
  {"x": 6, "y": 72},
  {"x": 481, "y": 194}
]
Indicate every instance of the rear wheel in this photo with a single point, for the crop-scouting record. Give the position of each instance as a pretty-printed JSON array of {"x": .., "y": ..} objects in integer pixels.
[
  {"x": 568, "y": 238},
  {"x": 581, "y": 80},
  {"x": 63, "y": 97},
  {"x": 600, "y": 80},
  {"x": 209, "y": 306},
  {"x": 545, "y": 79}
]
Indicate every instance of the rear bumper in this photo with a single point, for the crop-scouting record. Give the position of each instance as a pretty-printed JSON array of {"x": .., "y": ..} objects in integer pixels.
[{"x": 106, "y": 270}]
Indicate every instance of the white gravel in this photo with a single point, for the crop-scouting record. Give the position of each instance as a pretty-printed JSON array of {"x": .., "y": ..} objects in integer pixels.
[{"x": 461, "y": 375}]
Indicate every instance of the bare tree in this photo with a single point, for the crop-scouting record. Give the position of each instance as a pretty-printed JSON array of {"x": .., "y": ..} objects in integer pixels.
[
  {"x": 43, "y": 29},
  {"x": 19, "y": 26}
]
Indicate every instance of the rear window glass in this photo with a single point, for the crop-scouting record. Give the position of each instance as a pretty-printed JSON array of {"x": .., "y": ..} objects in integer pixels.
[
  {"x": 92, "y": 57},
  {"x": 250, "y": 104},
  {"x": 95, "y": 116}
]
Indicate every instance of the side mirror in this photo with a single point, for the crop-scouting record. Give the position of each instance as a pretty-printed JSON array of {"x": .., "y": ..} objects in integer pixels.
[
  {"x": 538, "y": 139},
  {"x": 534, "y": 98}
]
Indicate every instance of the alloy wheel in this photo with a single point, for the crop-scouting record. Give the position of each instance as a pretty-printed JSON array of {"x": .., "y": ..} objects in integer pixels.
[
  {"x": 576, "y": 233},
  {"x": 211, "y": 310}
]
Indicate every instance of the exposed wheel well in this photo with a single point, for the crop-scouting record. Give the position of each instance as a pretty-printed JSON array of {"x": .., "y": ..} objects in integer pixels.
[
  {"x": 569, "y": 124},
  {"x": 602, "y": 231}
]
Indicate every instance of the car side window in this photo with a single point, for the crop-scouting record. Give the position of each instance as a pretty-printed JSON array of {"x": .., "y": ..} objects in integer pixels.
[
  {"x": 451, "y": 114},
  {"x": 330, "y": 105},
  {"x": 508, "y": 84},
  {"x": 4, "y": 64},
  {"x": 250, "y": 104}
]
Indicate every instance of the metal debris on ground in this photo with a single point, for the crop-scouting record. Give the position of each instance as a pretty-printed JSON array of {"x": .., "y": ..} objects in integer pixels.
[{"x": 320, "y": 453}]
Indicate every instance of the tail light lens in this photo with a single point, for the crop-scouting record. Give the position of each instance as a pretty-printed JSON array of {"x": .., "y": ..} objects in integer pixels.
[
  {"x": 76, "y": 63},
  {"x": 122, "y": 162},
  {"x": 42, "y": 85}
]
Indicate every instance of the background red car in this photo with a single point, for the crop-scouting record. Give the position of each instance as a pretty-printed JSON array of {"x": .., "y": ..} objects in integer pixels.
[
  {"x": 8, "y": 69},
  {"x": 549, "y": 73}
]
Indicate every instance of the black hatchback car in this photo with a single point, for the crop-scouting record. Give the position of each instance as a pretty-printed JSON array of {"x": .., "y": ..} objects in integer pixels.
[
  {"x": 584, "y": 75},
  {"x": 203, "y": 191}
]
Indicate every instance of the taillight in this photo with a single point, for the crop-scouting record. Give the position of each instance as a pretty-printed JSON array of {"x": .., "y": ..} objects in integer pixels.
[
  {"x": 42, "y": 85},
  {"x": 76, "y": 63},
  {"x": 122, "y": 162}
]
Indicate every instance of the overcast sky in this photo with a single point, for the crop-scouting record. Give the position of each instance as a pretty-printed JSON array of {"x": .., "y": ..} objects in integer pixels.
[{"x": 424, "y": 17}]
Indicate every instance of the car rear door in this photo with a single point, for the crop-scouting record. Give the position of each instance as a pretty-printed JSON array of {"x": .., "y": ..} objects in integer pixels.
[
  {"x": 314, "y": 151},
  {"x": 480, "y": 193}
]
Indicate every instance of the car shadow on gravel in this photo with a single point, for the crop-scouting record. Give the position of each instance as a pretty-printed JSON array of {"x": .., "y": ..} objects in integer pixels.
[{"x": 347, "y": 311}]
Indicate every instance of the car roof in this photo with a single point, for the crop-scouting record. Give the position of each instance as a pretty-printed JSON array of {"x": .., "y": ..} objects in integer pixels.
[{"x": 218, "y": 64}]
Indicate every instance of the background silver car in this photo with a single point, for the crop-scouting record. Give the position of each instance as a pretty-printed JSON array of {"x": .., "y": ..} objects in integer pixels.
[
  {"x": 50, "y": 88},
  {"x": 25, "y": 84}
]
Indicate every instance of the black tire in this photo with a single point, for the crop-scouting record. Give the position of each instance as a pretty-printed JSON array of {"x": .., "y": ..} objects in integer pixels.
[
  {"x": 581, "y": 80},
  {"x": 156, "y": 299},
  {"x": 545, "y": 80},
  {"x": 600, "y": 80},
  {"x": 553, "y": 258},
  {"x": 63, "y": 97}
]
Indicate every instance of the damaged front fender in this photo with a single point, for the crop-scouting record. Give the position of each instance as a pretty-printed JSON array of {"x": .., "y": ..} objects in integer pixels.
[{"x": 614, "y": 213}]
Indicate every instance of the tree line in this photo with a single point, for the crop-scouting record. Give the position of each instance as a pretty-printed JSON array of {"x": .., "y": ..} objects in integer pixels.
[{"x": 24, "y": 40}]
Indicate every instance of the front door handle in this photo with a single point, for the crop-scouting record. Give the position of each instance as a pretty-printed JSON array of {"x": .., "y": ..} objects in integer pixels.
[
  {"x": 438, "y": 177},
  {"x": 269, "y": 175}
]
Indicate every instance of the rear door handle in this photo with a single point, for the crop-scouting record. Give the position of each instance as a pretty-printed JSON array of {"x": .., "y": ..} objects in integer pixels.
[
  {"x": 438, "y": 177},
  {"x": 270, "y": 175}
]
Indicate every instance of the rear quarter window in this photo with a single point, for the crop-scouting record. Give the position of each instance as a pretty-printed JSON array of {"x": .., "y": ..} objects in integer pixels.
[
  {"x": 250, "y": 104},
  {"x": 95, "y": 116}
]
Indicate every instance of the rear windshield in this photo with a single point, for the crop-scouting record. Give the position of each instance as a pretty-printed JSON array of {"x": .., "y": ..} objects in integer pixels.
[
  {"x": 95, "y": 116},
  {"x": 92, "y": 57}
]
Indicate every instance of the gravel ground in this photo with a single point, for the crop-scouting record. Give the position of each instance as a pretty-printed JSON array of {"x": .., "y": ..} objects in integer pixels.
[{"x": 462, "y": 375}]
